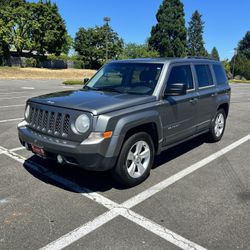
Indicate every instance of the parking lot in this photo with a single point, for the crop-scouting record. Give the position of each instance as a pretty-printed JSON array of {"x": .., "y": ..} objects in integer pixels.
[{"x": 197, "y": 196}]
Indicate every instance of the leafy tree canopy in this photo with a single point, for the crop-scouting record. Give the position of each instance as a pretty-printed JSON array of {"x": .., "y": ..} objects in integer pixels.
[
  {"x": 32, "y": 26},
  {"x": 133, "y": 50},
  {"x": 241, "y": 66},
  {"x": 168, "y": 36},
  {"x": 215, "y": 54},
  {"x": 244, "y": 45},
  {"x": 195, "y": 36},
  {"x": 91, "y": 45}
]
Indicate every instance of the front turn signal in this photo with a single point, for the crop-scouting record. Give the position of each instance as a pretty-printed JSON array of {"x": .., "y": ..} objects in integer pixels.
[{"x": 107, "y": 134}]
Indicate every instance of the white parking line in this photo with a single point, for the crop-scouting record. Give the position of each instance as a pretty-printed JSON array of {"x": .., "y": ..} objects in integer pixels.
[
  {"x": 174, "y": 178},
  {"x": 8, "y": 93},
  {"x": 67, "y": 87},
  {"x": 11, "y": 106},
  {"x": 11, "y": 120},
  {"x": 82, "y": 231},
  {"x": 16, "y": 97},
  {"x": 2, "y": 150},
  {"x": 27, "y": 88},
  {"x": 124, "y": 208},
  {"x": 17, "y": 149},
  {"x": 115, "y": 210}
]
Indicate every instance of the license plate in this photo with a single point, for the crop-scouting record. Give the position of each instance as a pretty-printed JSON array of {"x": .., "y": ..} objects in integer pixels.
[{"x": 38, "y": 151}]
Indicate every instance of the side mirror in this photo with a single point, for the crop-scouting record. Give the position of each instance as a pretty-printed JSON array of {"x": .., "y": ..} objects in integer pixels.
[
  {"x": 176, "y": 89},
  {"x": 85, "y": 80}
]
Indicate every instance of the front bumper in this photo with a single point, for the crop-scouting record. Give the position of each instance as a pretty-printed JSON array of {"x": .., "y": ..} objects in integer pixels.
[{"x": 89, "y": 156}]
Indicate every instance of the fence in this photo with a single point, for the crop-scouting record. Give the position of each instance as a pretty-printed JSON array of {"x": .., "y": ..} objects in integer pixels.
[{"x": 15, "y": 61}]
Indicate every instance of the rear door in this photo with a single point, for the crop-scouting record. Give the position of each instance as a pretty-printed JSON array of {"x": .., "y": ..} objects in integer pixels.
[
  {"x": 207, "y": 95},
  {"x": 180, "y": 112}
]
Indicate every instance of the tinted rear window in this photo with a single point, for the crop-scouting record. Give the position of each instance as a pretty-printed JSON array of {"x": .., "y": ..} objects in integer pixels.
[
  {"x": 220, "y": 75},
  {"x": 181, "y": 74},
  {"x": 204, "y": 75}
]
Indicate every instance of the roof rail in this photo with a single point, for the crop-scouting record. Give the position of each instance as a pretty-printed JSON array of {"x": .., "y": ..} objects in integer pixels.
[{"x": 201, "y": 57}]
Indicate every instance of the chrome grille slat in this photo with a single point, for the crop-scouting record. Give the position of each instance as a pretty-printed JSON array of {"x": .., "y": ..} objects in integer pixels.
[
  {"x": 66, "y": 124},
  {"x": 39, "y": 119},
  {"x": 35, "y": 118},
  {"x": 58, "y": 123},
  {"x": 45, "y": 120},
  {"x": 31, "y": 115},
  {"x": 49, "y": 122}
]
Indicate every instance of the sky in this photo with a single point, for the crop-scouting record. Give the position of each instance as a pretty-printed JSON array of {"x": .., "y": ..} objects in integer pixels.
[{"x": 226, "y": 21}]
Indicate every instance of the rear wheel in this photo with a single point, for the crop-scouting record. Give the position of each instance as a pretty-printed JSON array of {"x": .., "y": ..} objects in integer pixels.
[
  {"x": 135, "y": 160},
  {"x": 217, "y": 127}
]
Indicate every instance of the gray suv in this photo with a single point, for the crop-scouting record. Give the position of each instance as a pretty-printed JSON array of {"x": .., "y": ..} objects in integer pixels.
[{"x": 127, "y": 113}]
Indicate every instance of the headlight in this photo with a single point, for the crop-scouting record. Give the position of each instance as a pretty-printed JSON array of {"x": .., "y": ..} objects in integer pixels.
[
  {"x": 82, "y": 124},
  {"x": 27, "y": 112}
]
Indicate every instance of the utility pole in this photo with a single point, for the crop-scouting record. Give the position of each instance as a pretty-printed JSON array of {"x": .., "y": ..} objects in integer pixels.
[
  {"x": 235, "y": 54},
  {"x": 106, "y": 20}
]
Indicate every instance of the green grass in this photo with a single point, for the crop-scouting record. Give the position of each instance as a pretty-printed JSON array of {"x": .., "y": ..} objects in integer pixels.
[
  {"x": 239, "y": 81},
  {"x": 73, "y": 82}
]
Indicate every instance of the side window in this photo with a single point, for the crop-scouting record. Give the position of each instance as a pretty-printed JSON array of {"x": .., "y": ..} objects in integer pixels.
[
  {"x": 181, "y": 74},
  {"x": 220, "y": 74},
  {"x": 204, "y": 75}
]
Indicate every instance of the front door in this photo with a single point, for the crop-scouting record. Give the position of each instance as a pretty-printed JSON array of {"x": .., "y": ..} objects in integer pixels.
[{"x": 180, "y": 112}]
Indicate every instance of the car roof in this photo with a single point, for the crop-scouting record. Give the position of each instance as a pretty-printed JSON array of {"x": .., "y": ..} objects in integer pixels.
[{"x": 168, "y": 60}]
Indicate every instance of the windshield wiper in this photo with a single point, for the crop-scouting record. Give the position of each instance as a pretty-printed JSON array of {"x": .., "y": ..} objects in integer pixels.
[{"x": 111, "y": 89}]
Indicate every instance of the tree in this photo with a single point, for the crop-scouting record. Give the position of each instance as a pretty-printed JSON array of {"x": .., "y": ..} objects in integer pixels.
[
  {"x": 133, "y": 50},
  {"x": 68, "y": 45},
  {"x": 195, "y": 36},
  {"x": 244, "y": 46},
  {"x": 12, "y": 3},
  {"x": 241, "y": 66},
  {"x": 227, "y": 67},
  {"x": 215, "y": 54},
  {"x": 32, "y": 26},
  {"x": 49, "y": 32},
  {"x": 4, "y": 47},
  {"x": 91, "y": 45},
  {"x": 168, "y": 36},
  {"x": 17, "y": 24}
]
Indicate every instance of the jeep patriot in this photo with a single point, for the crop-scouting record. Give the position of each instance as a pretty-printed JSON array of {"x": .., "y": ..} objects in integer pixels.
[{"x": 128, "y": 112}]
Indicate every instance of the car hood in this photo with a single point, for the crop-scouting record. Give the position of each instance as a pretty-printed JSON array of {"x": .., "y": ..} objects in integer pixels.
[{"x": 96, "y": 102}]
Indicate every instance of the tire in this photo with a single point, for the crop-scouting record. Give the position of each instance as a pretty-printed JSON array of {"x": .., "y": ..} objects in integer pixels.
[
  {"x": 133, "y": 167},
  {"x": 217, "y": 126}
]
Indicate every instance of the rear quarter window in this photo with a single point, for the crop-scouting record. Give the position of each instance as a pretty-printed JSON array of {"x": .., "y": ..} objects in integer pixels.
[
  {"x": 204, "y": 76},
  {"x": 220, "y": 74}
]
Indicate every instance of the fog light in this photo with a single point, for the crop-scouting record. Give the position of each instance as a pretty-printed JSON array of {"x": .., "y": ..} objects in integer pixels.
[{"x": 59, "y": 159}]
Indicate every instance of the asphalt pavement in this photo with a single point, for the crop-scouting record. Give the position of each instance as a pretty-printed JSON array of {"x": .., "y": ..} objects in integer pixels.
[{"x": 197, "y": 196}]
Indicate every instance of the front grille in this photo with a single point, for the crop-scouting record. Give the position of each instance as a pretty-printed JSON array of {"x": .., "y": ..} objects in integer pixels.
[{"x": 50, "y": 122}]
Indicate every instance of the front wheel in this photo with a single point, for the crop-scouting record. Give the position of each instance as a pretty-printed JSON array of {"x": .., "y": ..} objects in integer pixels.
[
  {"x": 217, "y": 127},
  {"x": 135, "y": 160}
]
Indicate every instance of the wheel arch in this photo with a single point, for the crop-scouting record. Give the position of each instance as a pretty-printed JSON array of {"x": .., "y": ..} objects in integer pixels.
[
  {"x": 148, "y": 121},
  {"x": 225, "y": 107}
]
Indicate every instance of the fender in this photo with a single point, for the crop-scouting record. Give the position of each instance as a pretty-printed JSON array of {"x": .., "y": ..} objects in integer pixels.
[{"x": 132, "y": 121}]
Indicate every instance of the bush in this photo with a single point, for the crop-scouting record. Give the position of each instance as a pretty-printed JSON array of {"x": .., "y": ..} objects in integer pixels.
[
  {"x": 30, "y": 62},
  {"x": 242, "y": 66},
  {"x": 73, "y": 82},
  {"x": 78, "y": 64}
]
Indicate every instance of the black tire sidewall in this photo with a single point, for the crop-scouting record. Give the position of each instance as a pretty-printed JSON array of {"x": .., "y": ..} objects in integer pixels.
[
  {"x": 213, "y": 136},
  {"x": 120, "y": 171}
]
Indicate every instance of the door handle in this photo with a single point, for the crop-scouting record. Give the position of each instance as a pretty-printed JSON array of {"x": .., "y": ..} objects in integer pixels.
[{"x": 193, "y": 100}]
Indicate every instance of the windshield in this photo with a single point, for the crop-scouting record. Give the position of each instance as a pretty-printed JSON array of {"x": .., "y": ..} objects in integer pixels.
[{"x": 134, "y": 78}]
